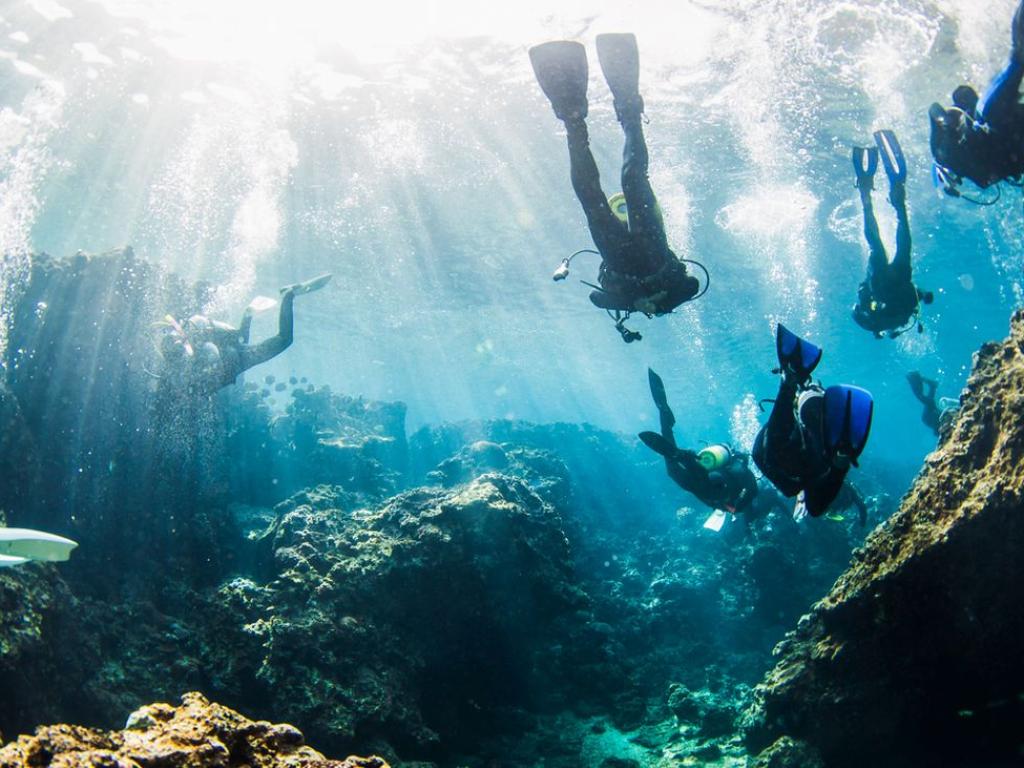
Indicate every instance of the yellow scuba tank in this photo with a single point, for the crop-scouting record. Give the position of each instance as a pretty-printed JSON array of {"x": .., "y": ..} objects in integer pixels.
[
  {"x": 714, "y": 457},
  {"x": 617, "y": 203}
]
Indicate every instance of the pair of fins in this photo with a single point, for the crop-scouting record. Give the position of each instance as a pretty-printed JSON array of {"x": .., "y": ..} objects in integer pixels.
[
  {"x": 848, "y": 409},
  {"x": 21, "y": 545},
  {"x": 658, "y": 443},
  {"x": 562, "y": 72},
  {"x": 865, "y": 160}
]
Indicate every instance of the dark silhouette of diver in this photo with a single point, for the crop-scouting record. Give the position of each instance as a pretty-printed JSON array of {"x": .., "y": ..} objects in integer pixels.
[
  {"x": 202, "y": 355},
  {"x": 812, "y": 435},
  {"x": 719, "y": 476},
  {"x": 639, "y": 272},
  {"x": 888, "y": 302},
  {"x": 933, "y": 416},
  {"x": 982, "y": 139}
]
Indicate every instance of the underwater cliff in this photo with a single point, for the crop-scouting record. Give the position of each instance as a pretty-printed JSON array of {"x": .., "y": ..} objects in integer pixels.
[{"x": 913, "y": 657}]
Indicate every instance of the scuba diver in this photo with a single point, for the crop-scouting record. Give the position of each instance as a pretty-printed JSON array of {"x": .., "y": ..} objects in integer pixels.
[
  {"x": 717, "y": 475},
  {"x": 813, "y": 435},
  {"x": 982, "y": 139},
  {"x": 888, "y": 302},
  {"x": 202, "y": 355},
  {"x": 639, "y": 272},
  {"x": 936, "y": 414}
]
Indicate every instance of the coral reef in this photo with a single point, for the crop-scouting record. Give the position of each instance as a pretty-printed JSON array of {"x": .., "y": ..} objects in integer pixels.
[
  {"x": 363, "y": 611},
  {"x": 196, "y": 733},
  {"x": 914, "y": 656}
]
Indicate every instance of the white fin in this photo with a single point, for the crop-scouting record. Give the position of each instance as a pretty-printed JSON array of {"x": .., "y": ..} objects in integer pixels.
[
  {"x": 261, "y": 304},
  {"x": 24, "y": 543},
  {"x": 716, "y": 521}
]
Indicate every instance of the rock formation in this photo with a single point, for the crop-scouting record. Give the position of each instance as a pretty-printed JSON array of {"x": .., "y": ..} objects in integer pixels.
[
  {"x": 914, "y": 657},
  {"x": 196, "y": 733}
]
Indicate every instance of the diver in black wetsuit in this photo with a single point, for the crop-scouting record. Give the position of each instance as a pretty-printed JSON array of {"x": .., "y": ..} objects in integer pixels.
[
  {"x": 888, "y": 302},
  {"x": 983, "y": 139},
  {"x": 924, "y": 390},
  {"x": 812, "y": 436},
  {"x": 717, "y": 475},
  {"x": 202, "y": 355},
  {"x": 639, "y": 272}
]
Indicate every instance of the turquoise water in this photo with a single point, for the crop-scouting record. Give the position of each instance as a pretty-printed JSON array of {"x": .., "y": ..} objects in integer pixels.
[
  {"x": 409, "y": 151},
  {"x": 419, "y": 163}
]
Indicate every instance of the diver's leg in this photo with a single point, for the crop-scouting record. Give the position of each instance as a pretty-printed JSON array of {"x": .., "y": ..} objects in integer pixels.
[
  {"x": 901, "y": 268},
  {"x": 636, "y": 185},
  {"x": 606, "y": 230},
  {"x": 272, "y": 347},
  {"x": 782, "y": 420},
  {"x": 245, "y": 326},
  {"x": 999, "y": 102},
  {"x": 878, "y": 261}
]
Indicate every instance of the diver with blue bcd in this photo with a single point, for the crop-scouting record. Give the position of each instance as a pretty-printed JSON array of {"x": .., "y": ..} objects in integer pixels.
[
  {"x": 888, "y": 302},
  {"x": 981, "y": 139},
  {"x": 638, "y": 272},
  {"x": 813, "y": 435}
]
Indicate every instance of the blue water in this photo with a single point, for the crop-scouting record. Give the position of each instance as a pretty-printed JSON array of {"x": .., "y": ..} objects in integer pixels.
[{"x": 411, "y": 153}]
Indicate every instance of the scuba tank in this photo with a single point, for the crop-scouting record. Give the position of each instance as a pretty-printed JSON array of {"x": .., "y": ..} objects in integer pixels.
[{"x": 714, "y": 456}]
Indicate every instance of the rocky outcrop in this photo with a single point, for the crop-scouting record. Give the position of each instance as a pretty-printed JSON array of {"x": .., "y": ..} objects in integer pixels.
[
  {"x": 196, "y": 733},
  {"x": 914, "y": 656},
  {"x": 358, "y": 613}
]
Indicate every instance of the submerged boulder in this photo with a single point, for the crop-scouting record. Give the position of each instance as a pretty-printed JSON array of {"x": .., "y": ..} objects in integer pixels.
[
  {"x": 401, "y": 621},
  {"x": 914, "y": 656},
  {"x": 196, "y": 733}
]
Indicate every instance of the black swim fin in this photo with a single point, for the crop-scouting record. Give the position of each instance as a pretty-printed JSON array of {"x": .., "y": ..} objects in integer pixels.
[
  {"x": 660, "y": 399},
  {"x": 620, "y": 63},
  {"x": 797, "y": 357},
  {"x": 848, "y": 413},
  {"x": 865, "y": 163},
  {"x": 561, "y": 70},
  {"x": 658, "y": 444},
  {"x": 892, "y": 156}
]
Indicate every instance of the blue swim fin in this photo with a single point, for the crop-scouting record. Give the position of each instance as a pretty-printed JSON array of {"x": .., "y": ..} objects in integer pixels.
[
  {"x": 865, "y": 163},
  {"x": 848, "y": 412},
  {"x": 797, "y": 357},
  {"x": 892, "y": 156}
]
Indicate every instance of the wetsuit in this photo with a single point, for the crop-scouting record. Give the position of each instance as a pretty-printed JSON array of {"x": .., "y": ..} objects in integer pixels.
[
  {"x": 639, "y": 272},
  {"x": 791, "y": 453},
  {"x": 222, "y": 353},
  {"x": 924, "y": 391},
  {"x": 732, "y": 487},
  {"x": 887, "y": 298},
  {"x": 986, "y": 145}
]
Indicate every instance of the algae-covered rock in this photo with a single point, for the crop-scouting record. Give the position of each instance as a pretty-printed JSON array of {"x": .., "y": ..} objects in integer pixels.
[
  {"x": 196, "y": 733},
  {"x": 914, "y": 656},
  {"x": 364, "y": 610}
]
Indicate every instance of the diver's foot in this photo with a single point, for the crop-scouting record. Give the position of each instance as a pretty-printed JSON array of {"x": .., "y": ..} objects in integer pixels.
[
  {"x": 898, "y": 195},
  {"x": 629, "y": 109}
]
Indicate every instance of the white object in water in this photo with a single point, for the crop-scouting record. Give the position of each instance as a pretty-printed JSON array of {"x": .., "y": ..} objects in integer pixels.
[
  {"x": 716, "y": 521},
  {"x": 24, "y": 544},
  {"x": 261, "y": 304},
  {"x": 6, "y": 561}
]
